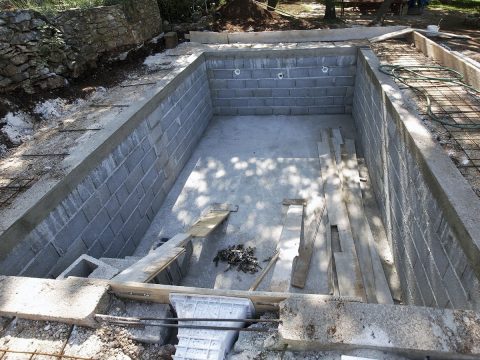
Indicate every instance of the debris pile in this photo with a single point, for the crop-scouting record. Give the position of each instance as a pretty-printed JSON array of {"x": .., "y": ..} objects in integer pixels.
[{"x": 240, "y": 257}]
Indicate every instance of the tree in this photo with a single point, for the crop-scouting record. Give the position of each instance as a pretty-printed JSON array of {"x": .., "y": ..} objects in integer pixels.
[
  {"x": 381, "y": 13},
  {"x": 330, "y": 10},
  {"x": 272, "y": 4}
]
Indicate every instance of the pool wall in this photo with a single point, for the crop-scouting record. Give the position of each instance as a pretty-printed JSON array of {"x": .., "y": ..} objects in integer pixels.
[
  {"x": 284, "y": 82},
  {"x": 114, "y": 201},
  {"x": 429, "y": 210}
]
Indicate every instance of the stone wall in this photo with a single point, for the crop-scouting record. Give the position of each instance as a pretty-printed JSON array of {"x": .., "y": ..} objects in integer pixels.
[
  {"x": 429, "y": 211},
  {"x": 108, "y": 212},
  {"x": 300, "y": 82},
  {"x": 38, "y": 53}
]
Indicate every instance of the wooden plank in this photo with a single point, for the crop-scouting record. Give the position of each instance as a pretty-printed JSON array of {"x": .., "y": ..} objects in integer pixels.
[
  {"x": 336, "y": 208},
  {"x": 370, "y": 263},
  {"x": 337, "y": 211},
  {"x": 262, "y": 300},
  {"x": 288, "y": 246},
  {"x": 207, "y": 223},
  {"x": 392, "y": 35},
  {"x": 264, "y": 272},
  {"x": 302, "y": 262},
  {"x": 349, "y": 281},
  {"x": 151, "y": 265},
  {"x": 72, "y": 301},
  {"x": 358, "y": 221}
]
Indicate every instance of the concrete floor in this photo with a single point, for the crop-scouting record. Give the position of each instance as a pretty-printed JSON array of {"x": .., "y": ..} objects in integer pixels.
[{"x": 254, "y": 162}]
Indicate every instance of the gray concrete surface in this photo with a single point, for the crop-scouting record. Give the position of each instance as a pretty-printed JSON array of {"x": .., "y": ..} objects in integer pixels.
[
  {"x": 254, "y": 162},
  {"x": 429, "y": 210},
  {"x": 71, "y": 301},
  {"x": 417, "y": 332}
]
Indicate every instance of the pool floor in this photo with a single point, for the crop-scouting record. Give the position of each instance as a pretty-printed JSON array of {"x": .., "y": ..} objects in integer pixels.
[{"x": 254, "y": 162}]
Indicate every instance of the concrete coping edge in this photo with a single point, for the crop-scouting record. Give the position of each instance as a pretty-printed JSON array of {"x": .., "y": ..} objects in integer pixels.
[{"x": 452, "y": 191}]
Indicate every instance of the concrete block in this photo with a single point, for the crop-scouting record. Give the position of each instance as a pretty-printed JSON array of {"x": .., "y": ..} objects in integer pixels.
[
  {"x": 19, "y": 257},
  {"x": 117, "y": 179},
  {"x": 76, "y": 249},
  {"x": 134, "y": 158},
  {"x": 96, "y": 250},
  {"x": 88, "y": 267},
  {"x": 91, "y": 207},
  {"x": 416, "y": 331},
  {"x": 71, "y": 230},
  {"x": 456, "y": 292},
  {"x": 106, "y": 237},
  {"x": 93, "y": 229},
  {"x": 236, "y": 84},
  {"x": 71, "y": 301},
  {"x": 134, "y": 178}
]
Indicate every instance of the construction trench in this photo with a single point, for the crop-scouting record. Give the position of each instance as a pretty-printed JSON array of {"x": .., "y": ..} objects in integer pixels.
[{"x": 359, "y": 237}]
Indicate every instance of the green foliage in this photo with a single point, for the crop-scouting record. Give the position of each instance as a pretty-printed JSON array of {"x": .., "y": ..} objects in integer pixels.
[
  {"x": 461, "y": 5},
  {"x": 183, "y": 10}
]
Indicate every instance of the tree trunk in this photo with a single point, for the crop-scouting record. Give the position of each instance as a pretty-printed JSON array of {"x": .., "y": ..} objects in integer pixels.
[
  {"x": 382, "y": 12},
  {"x": 330, "y": 10}
]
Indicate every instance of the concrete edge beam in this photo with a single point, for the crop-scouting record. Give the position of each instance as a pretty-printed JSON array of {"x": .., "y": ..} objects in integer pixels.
[
  {"x": 31, "y": 207},
  {"x": 71, "y": 301},
  {"x": 452, "y": 191},
  {"x": 447, "y": 58},
  {"x": 292, "y": 36},
  {"x": 411, "y": 331}
]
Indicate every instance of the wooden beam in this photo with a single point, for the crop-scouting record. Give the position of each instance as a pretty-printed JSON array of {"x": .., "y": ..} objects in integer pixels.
[
  {"x": 360, "y": 229},
  {"x": 264, "y": 272},
  {"x": 302, "y": 262},
  {"x": 349, "y": 280},
  {"x": 207, "y": 223},
  {"x": 262, "y": 300},
  {"x": 371, "y": 265},
  {"x": 288, "y": 247},
  {"x": 151, "y": 265}
]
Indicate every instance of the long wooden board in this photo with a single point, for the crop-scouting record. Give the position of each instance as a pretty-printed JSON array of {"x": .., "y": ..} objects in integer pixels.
[
  {"x": 288, "y": 247},
  {"x": 262, "y": 300},
  {"x": 349, "y": 281},
  {"x": 207, "y": 223},
  {"x": 302, "y": 262},
  {"x": 360, "y": 228},
  {"x": 151, "y": 265},
  {"x": 371, "y": 266}
]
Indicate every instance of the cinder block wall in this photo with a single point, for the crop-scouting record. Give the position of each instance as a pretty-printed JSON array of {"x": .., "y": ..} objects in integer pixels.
[
  {"x": 300, "y": 82},
  {"x": 427, "y": 238},
  {"x": 108, "y": 213}
]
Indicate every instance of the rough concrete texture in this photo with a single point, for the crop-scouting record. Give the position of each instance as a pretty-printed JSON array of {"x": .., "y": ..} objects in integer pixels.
[
  {"x": 414, "y": 331},
  {"x": 251, "y": 346},
  {"x": 428, "y": 209},
  {"x": 254, "y": 162},
  {"x": 148, "y": 334},
  {"x": 72, "y": 301}
]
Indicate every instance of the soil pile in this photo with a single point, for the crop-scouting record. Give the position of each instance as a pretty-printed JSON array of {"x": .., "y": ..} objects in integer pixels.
[{"x": 244, "y": 10}]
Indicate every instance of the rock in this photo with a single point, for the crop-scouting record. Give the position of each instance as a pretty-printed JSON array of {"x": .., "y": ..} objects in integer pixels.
[
  {"x": 36, "y": 23},
  {"x": 19, "y": 59},
  {"x": 56, "y": 81},
  {"x": 20, "y": 77},
  {"x": 22, "y": 16},
  {"x": 9, "y": 70},
  {"x": 6, "y": 34},
  {"x": 5, "y": 82}
]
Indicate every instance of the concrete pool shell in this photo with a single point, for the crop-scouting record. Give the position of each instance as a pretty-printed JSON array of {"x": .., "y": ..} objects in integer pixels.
[{"x": 232, "y": 103}]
